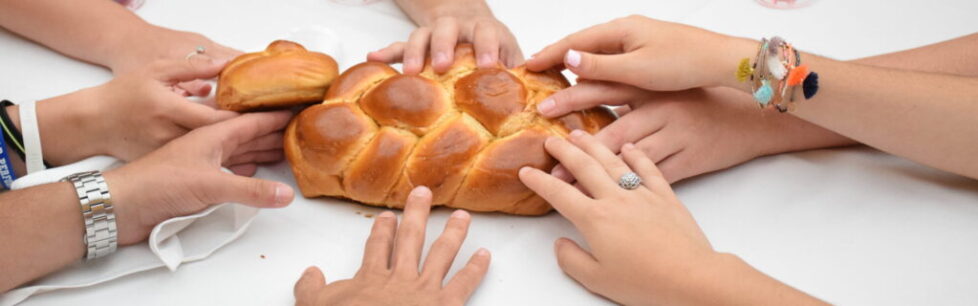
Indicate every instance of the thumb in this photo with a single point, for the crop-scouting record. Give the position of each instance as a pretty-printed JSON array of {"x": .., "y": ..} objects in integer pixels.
[
  {"x": 307, "y": 288},
  {"x": 226, "y": 187},
  {"x": 576, "y": 262},
  {"x": 600, "y": 67},
  {"x": 198, "y": 66}
]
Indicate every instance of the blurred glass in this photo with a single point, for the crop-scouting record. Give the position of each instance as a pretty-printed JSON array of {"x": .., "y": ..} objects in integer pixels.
[{"x": 785, "y": 4}]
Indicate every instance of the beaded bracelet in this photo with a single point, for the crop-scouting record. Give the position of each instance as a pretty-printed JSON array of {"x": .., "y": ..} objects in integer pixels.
[
  {"x": 7, "y": 175},
  {"x": 776, "y": 72}
]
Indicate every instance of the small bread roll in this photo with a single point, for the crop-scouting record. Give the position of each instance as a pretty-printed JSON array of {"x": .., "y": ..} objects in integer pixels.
[{"x": 283, "y": 75}]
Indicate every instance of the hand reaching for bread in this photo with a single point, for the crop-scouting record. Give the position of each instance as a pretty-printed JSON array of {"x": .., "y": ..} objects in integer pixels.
[
  {"x": 390, "y": 274},
  {"x": 441, "y": 28}
]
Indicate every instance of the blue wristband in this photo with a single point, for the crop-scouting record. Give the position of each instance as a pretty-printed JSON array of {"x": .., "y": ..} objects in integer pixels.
[{"x": 7, "y": 175}]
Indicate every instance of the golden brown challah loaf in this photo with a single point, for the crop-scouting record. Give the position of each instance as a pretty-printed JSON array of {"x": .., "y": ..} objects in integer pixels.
[
  {"x": 465, "y": 134},
  {"x": 283, "y": 75}
]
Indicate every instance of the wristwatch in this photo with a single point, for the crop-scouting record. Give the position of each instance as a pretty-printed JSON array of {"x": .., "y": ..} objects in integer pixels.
[{"x": 100, "y": 237}]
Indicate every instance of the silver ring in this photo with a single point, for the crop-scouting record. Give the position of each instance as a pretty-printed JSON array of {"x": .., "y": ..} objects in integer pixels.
[
  {"x": 199, "y": 50},
  {"x": 629, "y": 181}
]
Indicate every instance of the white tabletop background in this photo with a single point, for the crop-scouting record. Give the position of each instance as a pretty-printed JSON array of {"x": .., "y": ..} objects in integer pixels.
[{"x": 851, "y": 226}]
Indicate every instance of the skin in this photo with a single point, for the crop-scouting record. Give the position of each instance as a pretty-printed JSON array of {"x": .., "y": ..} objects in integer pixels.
[
  {"x": 444, "y": 23},
  {"x": 142, "y": 99},
  {"x": 390, "y": 274},
  {"x": 677, "y": 263},
  {"x": 46, "y": 236},
  {"x": 106, "y": 34},
  {"x": 668, "y": 127},
  {"x": 936, "y": 135},
  {"x": 662, "y": 69}
]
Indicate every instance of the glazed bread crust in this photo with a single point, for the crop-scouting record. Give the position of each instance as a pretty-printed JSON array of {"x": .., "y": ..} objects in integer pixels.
[
  {"x": 465, "y": 134},
  {"x": 283, "y": 75}
]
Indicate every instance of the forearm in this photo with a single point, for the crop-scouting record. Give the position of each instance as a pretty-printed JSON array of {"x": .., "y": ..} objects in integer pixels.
[
  {"x": 425, "y": 12},
  {"x": 67, "y": 125},
  {"x": 926, "y": 117},
  {"x": 950, "y": 57},
  {"x": 954, "y": 56},
  {"x": 42, "y": 232},
  {"x": 91, "y": 30},
  {"x": 731, "y": 281}
]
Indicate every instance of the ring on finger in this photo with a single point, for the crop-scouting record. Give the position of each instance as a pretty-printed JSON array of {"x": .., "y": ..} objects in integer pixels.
[
  {"x": 629, "y": 181},
  {"x": 198, "y": 50}
]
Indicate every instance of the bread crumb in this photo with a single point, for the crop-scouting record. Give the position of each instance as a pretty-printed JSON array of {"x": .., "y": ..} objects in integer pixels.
[
  {"x": 369, "y": 215},
  {"x": 359, "y": 213},
  {"x": 262, "y": 256}
]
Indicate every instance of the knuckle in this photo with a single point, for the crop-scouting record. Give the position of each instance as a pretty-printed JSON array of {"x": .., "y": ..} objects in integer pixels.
[{"x": 255, "y": 189}]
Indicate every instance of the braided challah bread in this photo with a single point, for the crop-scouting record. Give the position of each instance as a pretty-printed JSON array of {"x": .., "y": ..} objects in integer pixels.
[
  {"x": 465, "y": 134},
  {"x": 283, "y": 75}
]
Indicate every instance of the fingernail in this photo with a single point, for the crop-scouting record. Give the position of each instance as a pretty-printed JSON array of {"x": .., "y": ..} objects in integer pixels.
[
  {"x": 524, "y": 170},
  {"x": 440, "y": 58},
  {"x": 628, "y": 146},
  {"x": 547, "y": 106},
  {"x": 460, "y": 214},
  {"x": 485, "y": 60},
  {"x": 420, "y": 192},
  {"x": 386, "y": 214},
  {"x": 283, "y": 195},
  {"x": 573, "y": 58},
  {"x": 482, "y": 252},
  {"x": 577, "y": 133}
]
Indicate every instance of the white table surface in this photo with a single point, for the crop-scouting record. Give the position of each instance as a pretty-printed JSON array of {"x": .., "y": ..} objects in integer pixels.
[{"x": 851, "y": 226}]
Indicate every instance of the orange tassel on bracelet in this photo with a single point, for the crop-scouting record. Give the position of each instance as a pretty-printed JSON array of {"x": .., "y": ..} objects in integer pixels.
[{"x": 797, "y": 75}]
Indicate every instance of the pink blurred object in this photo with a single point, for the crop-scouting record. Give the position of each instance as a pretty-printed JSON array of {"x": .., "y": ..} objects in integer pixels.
[
  {"x": 355, "y": 2},
  {"x": 785, "y": 4},
  {"x": 131, "y": 4}
]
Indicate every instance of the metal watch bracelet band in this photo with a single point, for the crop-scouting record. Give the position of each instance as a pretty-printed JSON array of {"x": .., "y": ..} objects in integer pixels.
[{"x": 96, "y": 207}]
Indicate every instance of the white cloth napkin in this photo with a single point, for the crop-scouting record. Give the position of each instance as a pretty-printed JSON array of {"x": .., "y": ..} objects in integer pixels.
[{"x": 175, "y": 241}]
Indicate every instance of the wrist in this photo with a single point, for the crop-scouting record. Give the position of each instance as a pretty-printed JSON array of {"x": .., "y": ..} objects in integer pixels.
[
  {"x": 461, "y": 10},
  {"x": 123, "y": 52},
  {"x": 732, "y": 51},
  {"x": 124, "y": 189},
  {"x": 69, "y": 126}
]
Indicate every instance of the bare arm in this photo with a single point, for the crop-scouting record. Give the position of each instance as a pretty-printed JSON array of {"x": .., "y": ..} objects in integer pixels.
[
  {"x": 947, "y": 57},
  {"x": 43, "y": 229},
  {"x": 954, "y": 56},
  {"x": 101, "y": 32},
  {"x": 90, "y": 30},
  {"x": 924, "y": 116},
  {"x": 42, "y": 232}
]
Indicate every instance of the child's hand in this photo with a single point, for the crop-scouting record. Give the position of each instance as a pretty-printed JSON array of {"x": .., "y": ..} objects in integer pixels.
[{"x": 389, "y": 274}]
